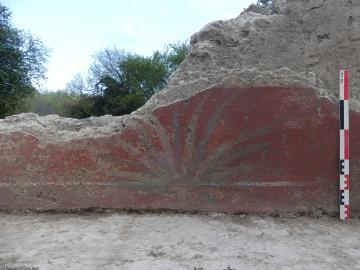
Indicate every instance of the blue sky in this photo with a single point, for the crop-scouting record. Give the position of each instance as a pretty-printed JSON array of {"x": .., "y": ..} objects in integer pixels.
[{"x": 76, "y": 29}]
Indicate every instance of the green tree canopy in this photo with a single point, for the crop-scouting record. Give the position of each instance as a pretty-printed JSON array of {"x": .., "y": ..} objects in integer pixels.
[
  {"x": 175, "y": 54},
  {"x": 144, "y": 75},
  {"x": 120, "y": 82},
  {"x": 22, "y": 64}
]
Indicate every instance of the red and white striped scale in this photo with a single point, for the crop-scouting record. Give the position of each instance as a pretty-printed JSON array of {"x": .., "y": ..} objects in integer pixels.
[{"x": 344, "y": 146}]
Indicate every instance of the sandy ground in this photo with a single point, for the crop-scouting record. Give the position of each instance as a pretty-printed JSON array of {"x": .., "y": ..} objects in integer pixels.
[{"x": 176, "y": 241}]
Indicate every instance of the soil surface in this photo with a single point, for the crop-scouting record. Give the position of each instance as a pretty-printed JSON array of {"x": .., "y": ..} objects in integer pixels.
[{"x": 176, "y": 241}]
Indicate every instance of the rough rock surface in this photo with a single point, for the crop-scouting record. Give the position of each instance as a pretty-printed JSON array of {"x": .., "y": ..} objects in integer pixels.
[
  {"x": 317, "y": 36},
  {"x": 249, "y": 123}
]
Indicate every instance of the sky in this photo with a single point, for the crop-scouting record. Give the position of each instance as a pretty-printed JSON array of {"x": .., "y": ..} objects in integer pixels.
[{"x": 75, "y": 30}]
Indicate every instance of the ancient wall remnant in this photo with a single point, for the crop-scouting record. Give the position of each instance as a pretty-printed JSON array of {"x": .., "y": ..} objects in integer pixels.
[{"x": 249, "y": 123}]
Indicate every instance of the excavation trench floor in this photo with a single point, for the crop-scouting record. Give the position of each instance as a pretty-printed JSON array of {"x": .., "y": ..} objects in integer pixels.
[{"x": 176, "y": 241}]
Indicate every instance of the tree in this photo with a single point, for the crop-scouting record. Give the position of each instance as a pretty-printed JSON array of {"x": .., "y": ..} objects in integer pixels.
[
  {"x": 22, "y": 64},
  {"x": 44, "y": 103},
  {"x": 144, "y": 75},
  {"x": 106, "y": 64},
  {"x": 176, "y": 53},
  {"x": 135, "y": 73},
  {"x": 77, "y": 86},
  {"x": 119, "y": 82}
]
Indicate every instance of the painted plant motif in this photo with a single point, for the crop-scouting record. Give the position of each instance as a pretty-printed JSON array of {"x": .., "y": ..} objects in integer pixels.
[
  {"x": 241, "y": 149},
  {"x": 214, "y": 137}
]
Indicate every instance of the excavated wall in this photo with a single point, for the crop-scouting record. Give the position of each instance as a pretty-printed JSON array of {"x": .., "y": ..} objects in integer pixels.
[{"x": 249, "y": 123}]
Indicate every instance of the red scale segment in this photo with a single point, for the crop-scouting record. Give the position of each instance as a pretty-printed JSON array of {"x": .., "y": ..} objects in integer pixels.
[
  {"x": 347, "y": 212},
  {"x": 347, "y": 183}
]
